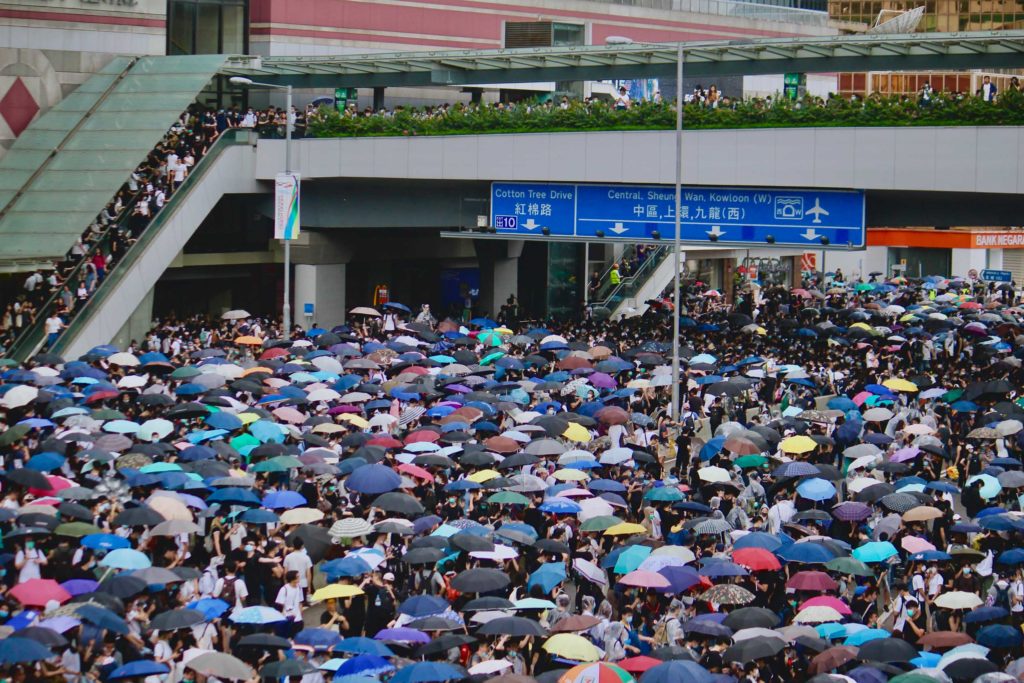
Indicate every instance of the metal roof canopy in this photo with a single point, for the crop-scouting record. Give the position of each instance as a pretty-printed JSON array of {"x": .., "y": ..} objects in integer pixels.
[{"x": 920, "y": 51}]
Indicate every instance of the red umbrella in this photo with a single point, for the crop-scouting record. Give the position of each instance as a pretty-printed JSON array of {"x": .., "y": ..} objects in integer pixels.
[
  {"x": 416, "y": 471},
  {"x": 832, "y": 658},
  {"x": 422, "y": 436},
  {"x": 385, "y": 441},
  {"x": 645, "y": 579},
  {"x": 828, "y": 601},
  {"x": 501, "y": 444},
  {"x": 612, "y": 415},
  {"x": 38, "y": 592},
  {"x": 638, "y": 665},
  {"x": 812, "y": 581},
  {"x": 757, "y": 560},
  {"x": 273, "y": 353}
]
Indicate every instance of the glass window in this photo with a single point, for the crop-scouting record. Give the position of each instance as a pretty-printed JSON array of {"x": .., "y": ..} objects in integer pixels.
[
  {"x": 208, "y": 30},
  {"x": 233, "y": 28},
  {"x": 180, "y": 31},
  {"x": 566, "y": 35}
]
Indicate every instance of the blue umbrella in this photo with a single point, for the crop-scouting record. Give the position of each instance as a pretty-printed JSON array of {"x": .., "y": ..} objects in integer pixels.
[
  {"x": 267, "y": 431},
  {"x": 22, "y": 650},
  {"x": 193, "y": 453},
  {"x": 363, "y": 646},
  {"x": 561, "y": 506},
  {"x": 842, "y": 403},
  {"x": 233, "y": 495},
  {"x": 210, "y": 607},
  {"x": 283, "y": 500},
  {"x": 126, "y": 558},
  {"x": 258, "y": 516},
  {"x": 547, "y": 577},
  {"x": 758, "y": 539},
  {"x": 373, "y": 479},
  {"x": 1012, "y": 556},
  {"x": 677, "y": 671},
  {"x": 816, "y": 489},
  {"x": 712, "y": 448},
  {"x": 486, "y": 323},
  {"x": 607, "y": 485},
  {"x": 631, "y": 558},
  {"x": 714, "y": 569},
  {"x": 986, "y": 613},
  {"x": 224, "y": 420},
  {"x": 429, "y": 672},
  {"x": 807, "y": 553},
  {"x": 138, "y": 669},
  {"x": 679, "y": 578},
  {"x": 867, "y": 674},
  {"x": 927, "y": 660},
  {"x": 865, "y": 635},
  {"x": 319, "y": 638},
  {"x": 370, "y": 665},
  {"x": 875, "y": 551},
  {"x": 100, "y": 617},
  {"x": 45, "y": 462},
  {"x": 999, "y": 635},
  {"x": 345, "y": 566},
  {"x": 423, "y": 606},
  {"x": 105, "y": 542}
]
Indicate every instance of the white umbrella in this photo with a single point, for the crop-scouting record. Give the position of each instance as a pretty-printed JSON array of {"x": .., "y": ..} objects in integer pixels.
[
  {"x": 817, "y": 614},
  {"x": 492, "y": 666},
  {"x": 19, "y": 396},
  {"x": 878, "y": 415},
  {"x": 865, "y": 461},
  {"x": 124, "y": 359},
  {"x": 154, "y": 430},
  {"x": 132, "y": 381},
  {"x": 616, "y": 456},
  {"x": 713, "y": 474},
  {"x": 1009, "y": 427},
  {"x": 678, "y": 551},
  {"x": 328, "y": 364},
  {"x": 594, "y": 507},
  {"x": 861, "y": 483},
  {"x": 755, "y": 632},
  {"x": 958, "y": 600},
  {"x": 590, "y": 571},
  {"x": 365, "y": 310},
  {"x": 323, "y": 395},
  {"x": 237, "y": 314}
]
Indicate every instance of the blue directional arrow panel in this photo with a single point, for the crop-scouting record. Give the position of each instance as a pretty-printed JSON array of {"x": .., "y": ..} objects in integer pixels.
[{"x": 783, "y": 217}]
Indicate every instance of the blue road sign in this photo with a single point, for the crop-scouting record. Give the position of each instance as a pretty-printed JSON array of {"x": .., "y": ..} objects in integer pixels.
[
  {"x": 997, "y": 275},
  {"x": 799, "y": 218}
]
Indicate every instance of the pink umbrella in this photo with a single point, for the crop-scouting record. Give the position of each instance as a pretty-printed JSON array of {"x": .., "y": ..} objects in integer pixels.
[
  {"x": 289, "y": 414},
  {"x": 827, "y": 601},
  {"x": 645, "y": 579},
  {"x": 904, "y": 454},
  {"x": 57, "y": 483},
  {"x": 913, "y": 544},
  {"x": 416, "y": 471},
  {"x": 861, "y": 397},
  {"x": 38, "y": 592}
]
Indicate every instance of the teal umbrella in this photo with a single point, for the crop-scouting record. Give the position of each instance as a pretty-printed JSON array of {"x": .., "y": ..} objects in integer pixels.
[
  {"x": 875, "y": 551},
  {"x": 631, "y": 558},
  {"x": 547, "y": 577}
]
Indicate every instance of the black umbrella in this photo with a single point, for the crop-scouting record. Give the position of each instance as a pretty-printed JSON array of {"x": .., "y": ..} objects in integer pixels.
[
  {"x": 38, "y": 519},
  {"x": 141, "y": 515},
  {"x": 671, "y": 652},
  {"x": 32, "y": 479},
  {"x": 521, "y": 459},
  {"x": 752, "y": 617},
  {"x": 480, "y": 580},
  {"x": 486, "y": 603},
  {"x": 75, "y": 511},
  {"x": 471, "y": 543},
  {"x": 434, "y": 623},
  {"x": 512, "y": 626},
  {"x": 887, "y": 650},
  {"x": 286, "y": 668},
  {"x": 40, "y": 634},
  {"x": 969, "y": 668},
  {"x": 443, "y": 643},
  {"x": 27, "y": 531},
  {"x": 548, "y": 545},
  {"x": 176, "y": 619},
  {"x": 123, "y": 586},
  {"x": 423, "y": 556},
  {"x": 187, "y": 410},
  {"x": 750, "y": 649},
  {"x": 106, "y": 600},
  {"x": 314, "y": 538},
  {"x": 265, "y": 640},
  {"x": 400, "y": 503},
  {"x": 429, "y": 542}
]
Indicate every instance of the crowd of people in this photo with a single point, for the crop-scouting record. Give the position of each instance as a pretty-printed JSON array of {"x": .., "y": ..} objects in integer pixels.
[
  {"x": 71, "y": 282},
  {"x": 412, "y": 500}
]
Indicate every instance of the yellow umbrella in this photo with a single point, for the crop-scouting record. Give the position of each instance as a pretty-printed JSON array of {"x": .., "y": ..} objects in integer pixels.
[
  {"x": 625, "y": 529},
  {"x": 331, "y": 428},
  {"x": 572, "y": 646},
  {"x": 577, "y": 432},
  {"x": 483, "y": 475},
  {"x": 250, "y": 340},
  {"x": 571, "y": 475},
  {"x": 258, "y": 368},
  {"x": 897, "y": 384},
  {"x": 798, "y": 444},
  {"x": 301, "y": 516},
  {"x": 863, "y": 326},
  {"x": 356, "y": 420},
  {"x": 336, "y": 591},
  {"x": 248, "y": 418}
]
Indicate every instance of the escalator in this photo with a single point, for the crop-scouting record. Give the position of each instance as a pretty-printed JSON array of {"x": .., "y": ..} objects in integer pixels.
[
  {"x": 629, "y": 297},
  {"x": 226, "y": 169}
]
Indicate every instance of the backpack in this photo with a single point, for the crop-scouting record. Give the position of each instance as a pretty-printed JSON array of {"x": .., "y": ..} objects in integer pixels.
[
  {"x": 1002, "y": 598},
  {"x": 661, "y": 633},
  {"x": 227, "y": 592}
]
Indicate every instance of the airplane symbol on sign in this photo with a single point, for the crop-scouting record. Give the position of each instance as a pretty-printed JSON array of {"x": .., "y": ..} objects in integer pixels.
[{"x": 817, "y": 211}]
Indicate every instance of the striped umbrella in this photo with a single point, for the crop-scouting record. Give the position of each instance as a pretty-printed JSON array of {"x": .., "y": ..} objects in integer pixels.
[
  {"x": 727, "y": 594},
  {"x": 598, "y": 672},
  {"x": 350, "y": 527}
]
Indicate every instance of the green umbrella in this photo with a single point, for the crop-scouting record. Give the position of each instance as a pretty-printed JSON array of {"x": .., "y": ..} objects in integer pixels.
[
  {"x": 9, "y": 363},
  {"x": 600, "y": 523},
  {"x": 288, "y": 462},
  {"x": 12, "y": 434},
  {"x": 77, "y": 529},
  {"x": 664, "y": 494},
  {"x": 243, "y": 440},
  {"x": 864, "y": 287},
  {"x": 849, "y": 565},
  {"x": 952, "y": 395},
  {"x": 912, "y": 677},
  {"x": 187, "y": 372},
  {"x": 490, "y": 358},
  {"x": 508, "y": 498},
  {"x": 268, "y": 466},
  {"x": 748, "y": 461},
  {"x": 107, "y": 414}
]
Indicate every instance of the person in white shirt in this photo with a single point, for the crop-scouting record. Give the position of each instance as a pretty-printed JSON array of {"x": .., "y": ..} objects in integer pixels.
[
  {"x": 28, "y": 562},
  {"x": 289, "y": 600},
  {"x": 298, "y": 561}
]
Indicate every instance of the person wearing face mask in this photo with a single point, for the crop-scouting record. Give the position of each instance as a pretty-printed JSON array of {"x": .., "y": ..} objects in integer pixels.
[
  {"x": 28, "y": 562},
  {"x": 451, "y": 510}
]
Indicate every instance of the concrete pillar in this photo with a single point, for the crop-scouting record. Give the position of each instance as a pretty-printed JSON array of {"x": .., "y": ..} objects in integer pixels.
[
  {"x": 378, "y": 98},
  {"x": 323, "y": 288},
  {"x": 137, "y": 325}
]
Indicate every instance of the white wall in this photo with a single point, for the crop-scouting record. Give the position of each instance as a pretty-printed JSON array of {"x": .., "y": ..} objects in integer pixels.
[
  {"x": 324, "y": 287},
  {"x": 857, "y": 263},
  {"x": 965, "y": 259},
  {"x": 818, "y": 85}
]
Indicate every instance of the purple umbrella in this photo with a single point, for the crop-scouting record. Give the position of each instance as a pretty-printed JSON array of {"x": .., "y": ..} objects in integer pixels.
[
  {"x": 680, "y": 578},
  {"x": 458, "y": 388},
  {"x": 80, "y": 586},
  {"x": 402, "y": 635},
  {"x": 421, "y": 524},
  {"x": 851, "y": 511},
  {"x": 904, "y": 454},
  {"x": 60, "y": 624},
  {"x": 603, "y": 381}
]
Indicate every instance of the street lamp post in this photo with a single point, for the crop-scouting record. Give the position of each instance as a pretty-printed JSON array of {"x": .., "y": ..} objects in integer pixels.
[
  {"x": 286, "y": 309},
  {"x": 676, "y": 242}
]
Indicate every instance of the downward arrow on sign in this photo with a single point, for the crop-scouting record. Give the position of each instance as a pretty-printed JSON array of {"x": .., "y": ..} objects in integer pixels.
[
  {"x": 809, "y": 234},
  {"x": 530, "y": 224},
  {"x": 715, "y": 231},
  {"x": 618, "y": 229}
]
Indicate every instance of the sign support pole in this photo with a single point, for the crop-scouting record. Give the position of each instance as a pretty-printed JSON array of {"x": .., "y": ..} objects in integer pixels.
[{"x": 676, "y": 242}]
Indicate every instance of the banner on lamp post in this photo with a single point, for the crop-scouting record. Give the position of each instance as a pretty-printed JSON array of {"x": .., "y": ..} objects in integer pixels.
[{"x": 286, "y": 206}]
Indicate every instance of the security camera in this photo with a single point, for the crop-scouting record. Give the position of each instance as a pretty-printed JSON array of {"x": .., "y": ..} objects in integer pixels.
[
  {"x": 599, "y": 233},
  {"x": 770, "y": 239},
  {"x": 545, "y": 231},
  {"x": 824, "y": 241},
  {"x": 655, "y": 234}
]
